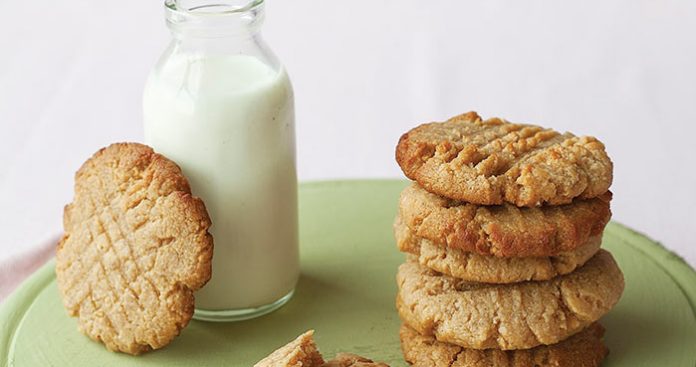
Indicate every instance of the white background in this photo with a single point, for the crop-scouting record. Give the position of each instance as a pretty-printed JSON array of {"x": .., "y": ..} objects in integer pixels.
[{"x": 71, "y": 75}]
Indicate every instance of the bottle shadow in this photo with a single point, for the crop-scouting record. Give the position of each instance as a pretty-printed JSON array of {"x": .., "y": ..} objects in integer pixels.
[{"x": 251, "y": 340}]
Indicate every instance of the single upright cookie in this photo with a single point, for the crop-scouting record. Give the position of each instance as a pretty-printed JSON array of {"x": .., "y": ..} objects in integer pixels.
[
  {"x": 503, "y": 230},
  {"x": 509, "y": 316},
  {"x": 492, "y": 161},
  {"x": 136, "y": 246},
  {"x": 584, "y": 349},
  {"x": 303, "y": 352},
  {"x": 473, "y": 267}
]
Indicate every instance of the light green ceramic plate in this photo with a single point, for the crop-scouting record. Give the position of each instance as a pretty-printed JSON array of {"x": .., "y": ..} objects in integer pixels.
[{"x": 346, "y": 293}]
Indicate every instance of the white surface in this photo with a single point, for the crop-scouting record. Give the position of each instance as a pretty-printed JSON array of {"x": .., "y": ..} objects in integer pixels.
[{"x": 71, "y": 76}]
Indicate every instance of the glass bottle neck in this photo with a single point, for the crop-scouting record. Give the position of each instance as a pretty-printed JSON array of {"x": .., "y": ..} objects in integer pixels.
[{"x": 210, "y": 19}]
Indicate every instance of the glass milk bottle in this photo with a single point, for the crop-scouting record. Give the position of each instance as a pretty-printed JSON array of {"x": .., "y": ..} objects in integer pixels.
[{"x": 220, "y": 104}]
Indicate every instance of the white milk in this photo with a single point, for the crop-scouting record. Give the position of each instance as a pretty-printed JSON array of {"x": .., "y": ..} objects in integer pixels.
[{"x": 228, "y": 121}]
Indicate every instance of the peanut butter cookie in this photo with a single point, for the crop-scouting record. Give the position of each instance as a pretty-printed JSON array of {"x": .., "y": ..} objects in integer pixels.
[
  {"x": 584, "y": 349},
  {"x": 503, "y": 230},
  {"x": 136, "y": 246},
  {"x": 303, "y": 352},
  {"x": 509, "y": 316},
  {"x": 492, "y": 161},
  {"x": 352, "y": 360},
  {"x": 473, "y": 267}
]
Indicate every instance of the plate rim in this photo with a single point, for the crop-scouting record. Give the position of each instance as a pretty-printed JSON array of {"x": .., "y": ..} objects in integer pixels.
[
  {"x": 15, "y": 307},
  {"x": 675, "y": 266}
]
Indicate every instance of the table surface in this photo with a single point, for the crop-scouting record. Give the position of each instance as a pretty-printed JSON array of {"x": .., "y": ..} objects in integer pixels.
[
  {"x": 364, "y": 72},
  {"x": 346, "y": 293}
]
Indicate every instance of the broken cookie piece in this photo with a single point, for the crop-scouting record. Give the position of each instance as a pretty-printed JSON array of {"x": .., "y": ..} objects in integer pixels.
[{"x": 303, "y": 352}]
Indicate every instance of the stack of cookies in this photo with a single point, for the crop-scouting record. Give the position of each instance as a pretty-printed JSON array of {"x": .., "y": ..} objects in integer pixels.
[{"x": 503, "y": 228}]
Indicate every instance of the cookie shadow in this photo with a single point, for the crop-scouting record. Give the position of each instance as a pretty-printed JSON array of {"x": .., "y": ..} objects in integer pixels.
[
  {"x": 256, "y": 338},
  {"x": 631, "y": 335}
]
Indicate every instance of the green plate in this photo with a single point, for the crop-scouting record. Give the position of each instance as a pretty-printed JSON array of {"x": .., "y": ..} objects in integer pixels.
[{"x": 346, "y": 293}]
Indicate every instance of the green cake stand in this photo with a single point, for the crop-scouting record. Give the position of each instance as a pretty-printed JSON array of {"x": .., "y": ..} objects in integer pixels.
[{"x": 346, "y": 293}]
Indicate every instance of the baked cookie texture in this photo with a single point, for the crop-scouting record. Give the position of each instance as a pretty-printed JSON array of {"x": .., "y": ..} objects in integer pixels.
[
  {"x": 473, "y": 267},
  {"x": 136, "y": 246},
  {"x": 584, "y": 349},
  {"x": 303, "y": 352},
  {"x": 352, "y": 360},
  {"x": 493, "y": 161},
  {"x": 510, "y": 316},
  {"x": 503, "y": 230}
]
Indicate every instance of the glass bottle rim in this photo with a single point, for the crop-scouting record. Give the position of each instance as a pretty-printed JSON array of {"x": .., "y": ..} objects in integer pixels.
[{"x": 214, "y": 8}]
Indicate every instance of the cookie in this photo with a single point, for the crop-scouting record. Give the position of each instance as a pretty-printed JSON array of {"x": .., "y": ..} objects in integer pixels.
[
  {"x": 509, "y": 316},
  {"x": 352, "y": 360},
  {"x": 504, "y": 230},
  {"x": 473, "y": 267},
  {"x": 301, "y": 352},
  {"x": 584, "y": 349},
  {"x": 136, "y": 246},
  {"x": 489, "y": 162}
]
